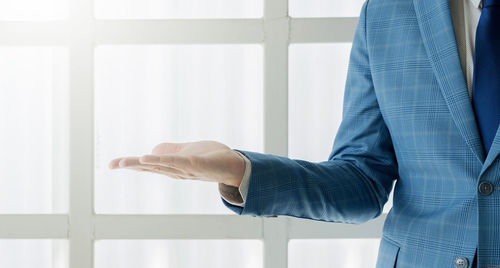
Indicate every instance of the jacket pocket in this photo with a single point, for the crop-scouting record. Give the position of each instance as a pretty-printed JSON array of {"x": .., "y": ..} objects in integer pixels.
[{"x": 387, "y": 254}]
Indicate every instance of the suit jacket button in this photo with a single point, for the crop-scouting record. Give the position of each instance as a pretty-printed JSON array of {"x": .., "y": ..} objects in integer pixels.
[
  {"x": 461, "y": 262},
  {"x": 485, "y": 188}
]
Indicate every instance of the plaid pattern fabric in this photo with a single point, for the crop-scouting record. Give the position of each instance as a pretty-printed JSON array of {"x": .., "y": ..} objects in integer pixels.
[{"x": 407, "y": 117}]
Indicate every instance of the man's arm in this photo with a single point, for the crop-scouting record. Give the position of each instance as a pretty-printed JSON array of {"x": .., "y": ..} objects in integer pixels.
[
  {"x": 355, "y": 182},
  {"x": 351, "y": 187}
]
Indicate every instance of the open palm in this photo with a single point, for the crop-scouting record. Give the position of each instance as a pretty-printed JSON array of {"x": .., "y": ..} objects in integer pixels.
[{"x": 201, "y": 160}]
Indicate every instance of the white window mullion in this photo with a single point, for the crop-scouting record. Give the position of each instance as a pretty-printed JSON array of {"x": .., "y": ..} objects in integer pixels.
[
  {"x": 81, "y": 135},
  {"x": 177, "y": 227},
  {"x": 179, "y": 31},
  {"x": 37, "y": 226},
  {"x": 275, "y": 242},
  {"x": 322, "y": 30},
  {"x": 276, "y": 41}
]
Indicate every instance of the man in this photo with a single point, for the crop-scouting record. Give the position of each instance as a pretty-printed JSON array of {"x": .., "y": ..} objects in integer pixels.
[{"x": 419, "y": 109}]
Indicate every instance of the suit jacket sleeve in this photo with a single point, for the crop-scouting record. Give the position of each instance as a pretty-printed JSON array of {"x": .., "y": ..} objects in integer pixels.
[{"x": 355, "y": 182}]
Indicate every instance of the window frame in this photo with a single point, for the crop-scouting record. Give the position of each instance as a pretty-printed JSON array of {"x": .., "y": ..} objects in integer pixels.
[{"x": 81, "y": 33}]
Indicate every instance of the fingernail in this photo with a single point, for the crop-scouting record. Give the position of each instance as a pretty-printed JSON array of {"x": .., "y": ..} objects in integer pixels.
[
  {"x": 122, "y": 163},
  {"x": 149, "y": 159}
]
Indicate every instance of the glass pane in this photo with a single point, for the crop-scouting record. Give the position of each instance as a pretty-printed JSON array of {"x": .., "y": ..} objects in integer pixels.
[
  {"x": 316, "y": 89},
  {"x": 346, "y": 253},
  {"x": 178, "y": 253},
  {"x": 325, "y": 8},
  {"x": 33, "y": 9},
  {"x": 161, "y": 9},
  {"x": 316, "y": 92},
  {"x": 146, "y": 95},
  {"x": 34, "y": 136},
  {"x": 34, "y": 253}
]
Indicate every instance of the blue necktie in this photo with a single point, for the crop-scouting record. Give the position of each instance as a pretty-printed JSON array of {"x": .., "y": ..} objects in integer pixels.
[{"x": 486, "y": 83}]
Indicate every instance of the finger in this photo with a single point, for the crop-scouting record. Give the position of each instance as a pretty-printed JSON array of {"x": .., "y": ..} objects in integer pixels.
[
  {"x": 170, "y": 172},
  {"x": 159, "y": 170},
  {"x": 174, "y": 161},
  {"x": 114, "y": 164},
  {"x": 133, "y": 162},
  {"x": 128, "y": 162},
  {"x": 138, "y": 168},
  {"x": 167, "y": 148}
]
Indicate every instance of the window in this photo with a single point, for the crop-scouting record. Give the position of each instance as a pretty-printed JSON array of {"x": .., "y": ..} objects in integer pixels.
[
  {"x": 34, "y": 136},
  {"x": 28, "y": 253},
  {"x": 163, "y": 9},
  {"x": 185, "y": 93},
  {"x": 22, "y": 10},
  {"x": 178, "y": 253},
  {"x": 79, "y": 79}
]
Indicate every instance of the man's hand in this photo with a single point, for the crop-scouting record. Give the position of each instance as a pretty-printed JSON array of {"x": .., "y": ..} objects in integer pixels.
[{"x": 202, "y": 160}]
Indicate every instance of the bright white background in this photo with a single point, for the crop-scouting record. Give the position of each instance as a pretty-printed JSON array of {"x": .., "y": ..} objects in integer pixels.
[{"x": 85, "y": 81}]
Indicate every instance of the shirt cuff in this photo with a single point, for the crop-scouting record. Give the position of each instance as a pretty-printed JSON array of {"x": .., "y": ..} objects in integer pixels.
[
  {"x": 237, "y": 196},
  {"x": 243, "y": 189}
]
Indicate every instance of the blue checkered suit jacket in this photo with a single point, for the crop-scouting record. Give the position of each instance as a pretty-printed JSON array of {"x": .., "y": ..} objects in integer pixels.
[{"x": 407, "y": 117}]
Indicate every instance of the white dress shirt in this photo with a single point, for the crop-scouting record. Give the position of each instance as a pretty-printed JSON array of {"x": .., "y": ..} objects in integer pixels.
[{"x": 465, "y": 15}]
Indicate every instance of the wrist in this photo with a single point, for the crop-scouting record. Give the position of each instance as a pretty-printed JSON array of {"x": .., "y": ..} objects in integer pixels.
[{"x": 239, "y": 170}]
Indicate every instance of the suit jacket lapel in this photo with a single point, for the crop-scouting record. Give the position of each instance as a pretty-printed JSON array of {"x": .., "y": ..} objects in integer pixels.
[
  {"x": 436, "y": 28},
  {"x": 493, "y": 153}
]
